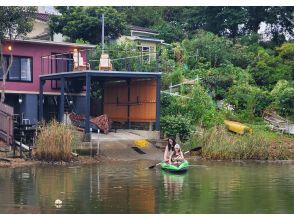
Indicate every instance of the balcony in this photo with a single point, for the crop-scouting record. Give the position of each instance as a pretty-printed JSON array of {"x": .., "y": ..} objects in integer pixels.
[{"x": 98, "y": 60}]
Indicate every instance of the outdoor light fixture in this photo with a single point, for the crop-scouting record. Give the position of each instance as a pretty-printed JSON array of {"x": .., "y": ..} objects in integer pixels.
[
  {"x": 10, "y": 48},
  {"x": 70, "y": 102},
  {"x": 20, "y": 99}
]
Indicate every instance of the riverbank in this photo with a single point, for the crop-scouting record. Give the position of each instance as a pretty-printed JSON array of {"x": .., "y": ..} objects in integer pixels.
[
  {"x": 21, "y": 162},
  {"x": 6, "y": 162},
  {"x": 219, "y": 144}
]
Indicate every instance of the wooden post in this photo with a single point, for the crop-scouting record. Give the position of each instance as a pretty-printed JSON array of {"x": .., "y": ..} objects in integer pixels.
[
  {"x": 41, "y": 97},
  {"x": 61, "y": 104},
  {"x": 88, "y": 105},
  {"x": 129, "y": 101},
  {"x": 157, "y": 125}
]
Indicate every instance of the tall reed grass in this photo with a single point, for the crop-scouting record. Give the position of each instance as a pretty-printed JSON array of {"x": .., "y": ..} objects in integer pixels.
[
  {"x": 55, "y": 142},
  {"x": 219, "y": 144}
]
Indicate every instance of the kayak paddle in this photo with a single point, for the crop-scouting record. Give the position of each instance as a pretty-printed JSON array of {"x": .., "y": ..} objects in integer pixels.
[{"x": 193, "y": 149}]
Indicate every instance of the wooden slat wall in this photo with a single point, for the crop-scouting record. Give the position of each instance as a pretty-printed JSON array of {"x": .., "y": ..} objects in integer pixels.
[
  {"x": 145, "y": 111},
  {"x": 6, "y": 123}
]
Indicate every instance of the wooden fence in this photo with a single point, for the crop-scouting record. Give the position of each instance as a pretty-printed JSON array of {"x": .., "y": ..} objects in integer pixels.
[{"x": 6, "y": 123}]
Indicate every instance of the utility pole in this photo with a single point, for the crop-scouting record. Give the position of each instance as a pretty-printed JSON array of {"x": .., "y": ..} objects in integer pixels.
[{"x": 102, "y": 37}]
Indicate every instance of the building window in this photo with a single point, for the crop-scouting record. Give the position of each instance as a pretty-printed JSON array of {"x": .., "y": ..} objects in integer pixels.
[
  {"x": 21, "y": 69},
  {"x": 147, "y": 53}
]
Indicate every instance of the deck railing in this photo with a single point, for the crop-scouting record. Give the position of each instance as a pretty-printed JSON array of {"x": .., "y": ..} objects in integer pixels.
[
  {"x": 91, "y": 59},
  {"x": 6, "y": 123}
]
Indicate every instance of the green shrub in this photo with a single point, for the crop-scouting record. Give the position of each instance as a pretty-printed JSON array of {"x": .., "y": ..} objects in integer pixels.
[
  {"x": 248, "y": 100},
  {"x": 286, "y": 102},
  {"x": 201, "y": 107},
  {"x": 171, "y": 105},
  {"x": 172, "y": 125},
  {"x": 279, "y": 87}
]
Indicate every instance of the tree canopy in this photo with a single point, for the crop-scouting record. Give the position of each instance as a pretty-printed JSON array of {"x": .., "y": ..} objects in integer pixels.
[
  {"x": 85, "y": 23},
  {"x": 15, "y": 21}
]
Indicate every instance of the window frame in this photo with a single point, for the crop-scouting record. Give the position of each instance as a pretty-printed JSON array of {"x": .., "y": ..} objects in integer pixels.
[{"x": 19, "y": 80}]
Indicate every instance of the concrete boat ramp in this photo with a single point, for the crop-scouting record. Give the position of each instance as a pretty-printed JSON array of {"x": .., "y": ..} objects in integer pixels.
[{"x": 124, "y": 145}]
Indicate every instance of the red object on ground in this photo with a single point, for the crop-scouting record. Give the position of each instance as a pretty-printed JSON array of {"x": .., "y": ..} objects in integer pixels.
[{"x": 103, "y": 122}]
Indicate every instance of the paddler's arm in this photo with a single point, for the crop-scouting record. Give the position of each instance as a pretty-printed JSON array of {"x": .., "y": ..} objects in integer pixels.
[{"x": 165, "y": 156}]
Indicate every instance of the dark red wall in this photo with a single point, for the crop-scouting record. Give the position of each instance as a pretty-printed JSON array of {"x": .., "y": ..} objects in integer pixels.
[{"x": 34, "y": 50}]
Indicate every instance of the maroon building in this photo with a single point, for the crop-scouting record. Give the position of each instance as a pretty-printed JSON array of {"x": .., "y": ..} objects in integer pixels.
[{"x": 22, "y": 86}]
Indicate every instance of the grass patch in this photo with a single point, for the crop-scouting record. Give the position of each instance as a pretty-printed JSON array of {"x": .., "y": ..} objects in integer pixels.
[
  {"x": 55, "y": 142},
  {"x": 219, "y": 144}
]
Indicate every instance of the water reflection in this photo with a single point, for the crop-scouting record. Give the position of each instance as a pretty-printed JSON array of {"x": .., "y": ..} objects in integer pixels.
[
  {"x": 173, "y": 183},
  {"x": 131, "y": 188}
]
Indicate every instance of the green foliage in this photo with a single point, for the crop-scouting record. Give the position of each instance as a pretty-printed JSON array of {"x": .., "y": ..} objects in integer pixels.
[
  {"x": 172, "y": 125},
  {"x": 85, "y": 23},
  {"x": 209, "y": 47},
  {"x": 248, "y": 100},
  {"x": 286, "y": 102},
  {"x": 279, "y": 87},
  {"x": 219, "y": 80},
  {"x": 170, "y": 32},
  {"x": 202, "y": 108},
  {"x": 268, "y": 69},
  {"x": 16, "y": 21},
  {"x": 219, "y": 144},
  {"x": 142, "y": 16},
  {"x": 171, "y": 105}
]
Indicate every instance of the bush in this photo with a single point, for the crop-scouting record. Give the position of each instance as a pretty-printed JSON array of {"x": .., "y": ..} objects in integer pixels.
[
  {"x": 171, "y": 105},
  {"x": 201, "y": 108},
  {"x": 55, "y": 142},
  {"x": 279, "y": 87},
  {"x": 172, "y": 125},
  {"x": 286, "y": 102},
  {"x": 248, "y": 100}
]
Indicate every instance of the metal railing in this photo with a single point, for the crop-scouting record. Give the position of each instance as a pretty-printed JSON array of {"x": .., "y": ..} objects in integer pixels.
[{"x": 90, "y": 59}]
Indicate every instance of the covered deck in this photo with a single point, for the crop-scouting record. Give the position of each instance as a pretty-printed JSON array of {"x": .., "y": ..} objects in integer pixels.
[{"x": 103, "y": 77}]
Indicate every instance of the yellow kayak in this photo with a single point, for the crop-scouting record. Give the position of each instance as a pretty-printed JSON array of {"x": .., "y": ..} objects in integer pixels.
[{"x": 237, "y": 127}]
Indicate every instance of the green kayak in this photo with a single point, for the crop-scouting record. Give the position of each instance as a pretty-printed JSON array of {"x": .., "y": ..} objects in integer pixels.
[{"x": 173, "y": 168}]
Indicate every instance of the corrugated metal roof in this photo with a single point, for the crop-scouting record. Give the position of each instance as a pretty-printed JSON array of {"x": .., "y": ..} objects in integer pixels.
[
  {"x": 146, "y": 39},
  {"x": 137, "y": 28},
  {"x": 42, "y": 16}
]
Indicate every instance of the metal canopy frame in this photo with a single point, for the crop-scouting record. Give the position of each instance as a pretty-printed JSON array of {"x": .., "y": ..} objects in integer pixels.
[{"x": 88, "y": 75}]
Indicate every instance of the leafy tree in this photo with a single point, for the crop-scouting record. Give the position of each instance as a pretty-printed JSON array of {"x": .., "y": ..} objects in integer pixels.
[
  {"x": 85, "y": 23},
  {"x": 14, "y": 22},
  {"x": 248, "y": 100},
  {"x": 219, "y": 80},
  {"x": 201, "y": 107},
  {"x": 233, "y": 21},
  {"x": 207, "y": 47},
  {"x": 269, "y": 68},
  {"x": 172, "y": 125},
  {"x": 145, "y": 16},
  {"x": 170, "y": 32},
  {"x": 286, "y": 102}
]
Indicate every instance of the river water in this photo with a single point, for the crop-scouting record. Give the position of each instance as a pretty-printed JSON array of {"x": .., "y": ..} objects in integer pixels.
[{"x": 130, "y": 187}]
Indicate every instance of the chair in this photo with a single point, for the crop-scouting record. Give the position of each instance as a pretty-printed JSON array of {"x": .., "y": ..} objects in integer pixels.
[
  {"x": 79, "y": 63},
  {"x": 105, "y": 63}
]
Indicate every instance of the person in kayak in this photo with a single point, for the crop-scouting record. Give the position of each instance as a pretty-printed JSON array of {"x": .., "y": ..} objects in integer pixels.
[
  {"x": 169, "y": 149},
  {"x": 177, "y": 156}
]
